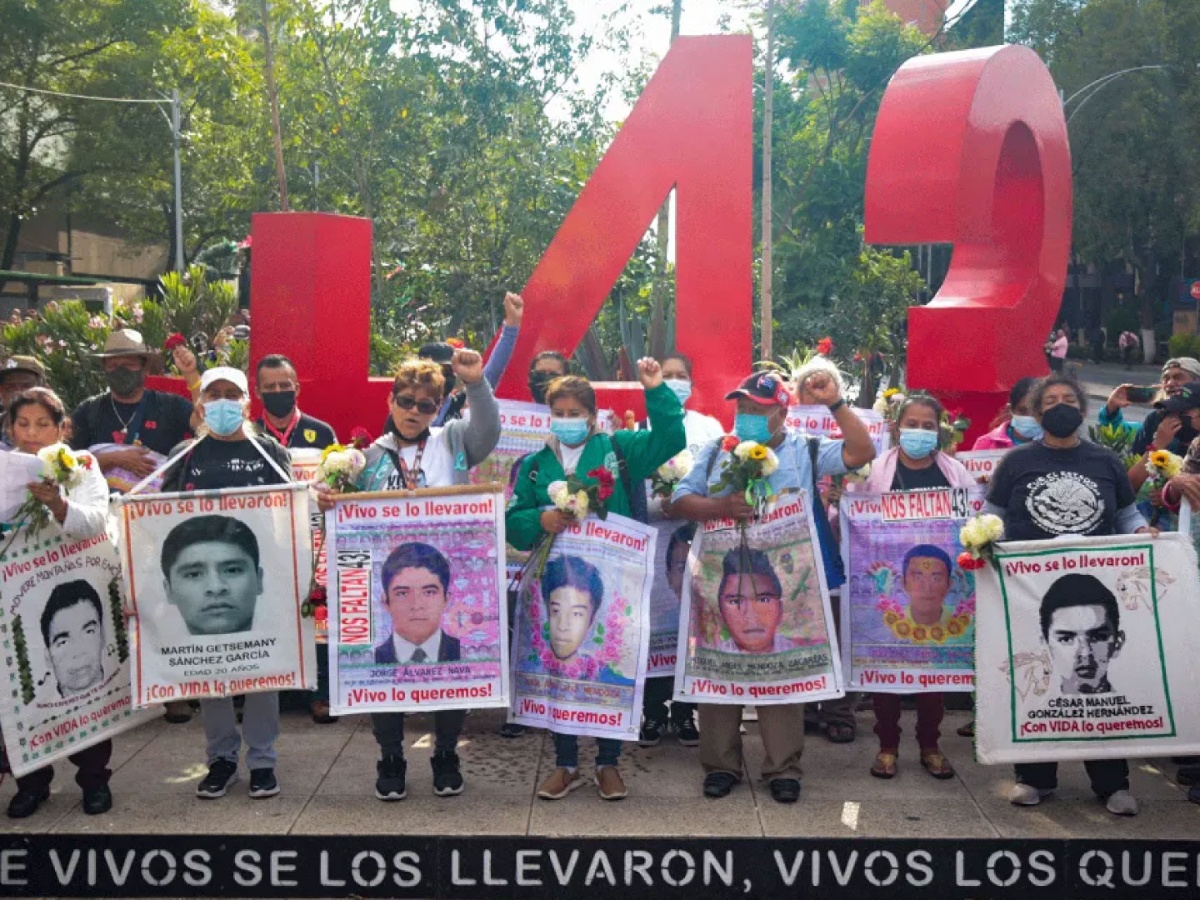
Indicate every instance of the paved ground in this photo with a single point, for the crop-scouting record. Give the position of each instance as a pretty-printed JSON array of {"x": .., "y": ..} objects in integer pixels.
[
  {"x": 327, "y": 775},
  {"x": 1099, "y": 380}
]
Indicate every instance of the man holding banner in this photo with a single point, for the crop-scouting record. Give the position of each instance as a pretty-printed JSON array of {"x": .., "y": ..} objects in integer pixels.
[{"x": 762, "y": 407}]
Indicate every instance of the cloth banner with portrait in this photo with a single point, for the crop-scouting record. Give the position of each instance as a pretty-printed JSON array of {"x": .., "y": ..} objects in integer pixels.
[
  {"x": 1084, "y": 650},
  {"x": 306, "y": 461},
  {"x": 215, "y": 580},
  {"x": 581, "y": 632},
  {"x": 66, "y": 650},
  {"x": 908, "y": 609},
  {"x": 417, "y": 621},
  {"x": 818, "y": 421},
  {"x": 756, "y": 627}
]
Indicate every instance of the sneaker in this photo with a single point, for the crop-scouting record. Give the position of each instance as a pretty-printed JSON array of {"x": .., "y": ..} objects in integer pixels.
[
  {"x": 447, "y": 779},
  {"x": 651, "y": 733},
  {"x": 1028, "y": 795},
  {"x": 25, "y": 803},
  {"x": 512, "y": 730},
  {"x": 686, "y": 731},
  {"x": 1187, "y": 775},
  {"x": 389, "y": 783},
  {"x": 609, "y": 783},
  {"x": 221, "y": 774},
  {"x": 1121, "y": 803},
  {"x": 263, "y": 783},
  {"x": 97, "y": 801},
  {"x": 560, "y": 783}
]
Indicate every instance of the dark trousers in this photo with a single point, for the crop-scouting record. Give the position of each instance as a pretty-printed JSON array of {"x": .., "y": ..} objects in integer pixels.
[
  {"x": 93, "y": 771},
  {"x": 887, "y": 720},
  {"x": 322, "y": 691},
  {"x": 389, "y": 730},
  {"x": 1108, "y": 775},
  {"x": 655, "y": 698}
]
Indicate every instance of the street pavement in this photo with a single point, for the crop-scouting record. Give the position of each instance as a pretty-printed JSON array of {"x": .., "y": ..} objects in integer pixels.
[{"x": 1100, "y": 379}]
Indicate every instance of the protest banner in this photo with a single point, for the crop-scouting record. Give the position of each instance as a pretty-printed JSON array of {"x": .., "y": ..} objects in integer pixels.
[
  {"x": 670, "y": 560},
  {"x": 908, "y": 610},
  {"x": 755, "y": 626},
  {"x": 215, "y": 580},
  {"x": 981, "y": 463},
  {"x": 417, "y": 620},
  {"x": 1084, "y": 649},
  {"x": 306, "y": 461},
  {"x": 582, "y": 624},
  {"x": 818, "y": 421},
  {"x": 66, "y": 651}
]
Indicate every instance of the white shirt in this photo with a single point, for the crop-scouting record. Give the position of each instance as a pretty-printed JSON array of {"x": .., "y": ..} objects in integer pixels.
[
  {"x": 405, "y": 650},
  {"x": 700, "y": 429},
  {"x": 437, "y": 462},
  {"x": 570, "y": 456}
]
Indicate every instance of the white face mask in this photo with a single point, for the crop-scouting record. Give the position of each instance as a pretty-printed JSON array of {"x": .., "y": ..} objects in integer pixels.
[{"x": 682, "y": 388}]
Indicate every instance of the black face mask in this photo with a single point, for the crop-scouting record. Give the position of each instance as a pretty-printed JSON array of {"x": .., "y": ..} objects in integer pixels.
[
  {"x": 1062, "y": 421},
  {"x": 538, "y": 382},
  {"x": 280, "y": 403},
  {"x": 124, "y": 382}
]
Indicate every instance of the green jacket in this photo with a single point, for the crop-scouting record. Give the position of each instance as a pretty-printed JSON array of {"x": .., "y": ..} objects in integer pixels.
[{"x": 643, "y": 451}]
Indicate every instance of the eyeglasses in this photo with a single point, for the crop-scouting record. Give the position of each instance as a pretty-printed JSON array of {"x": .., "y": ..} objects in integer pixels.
[{"x": 424, "y": 407}]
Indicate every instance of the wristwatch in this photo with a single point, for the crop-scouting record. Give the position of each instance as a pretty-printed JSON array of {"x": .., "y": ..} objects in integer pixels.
[{"x": 834, "y": 407}]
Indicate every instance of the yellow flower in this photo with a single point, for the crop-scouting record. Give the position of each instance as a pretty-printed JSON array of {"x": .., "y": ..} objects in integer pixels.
[
  {"x": 954, "y": 627},
  {"x": 332, "y": 448},
  {"x": 758, "y": 453},
  {"x": 937, "y": 633},
  {"x": 66, "y": 460},
  {"x": 890, "y": 393},
  {"x": 1159, "y": 459},
  {"x": 890, "y": 618},
  {"x": 920, "y": 633},
  {"x": 903, "y": 629}
]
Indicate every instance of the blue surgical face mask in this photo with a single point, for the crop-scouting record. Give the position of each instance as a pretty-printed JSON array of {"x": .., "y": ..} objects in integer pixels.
[
  {"x": 682, "y": 388},
  {"x": 917, "y": 443},
  {"x": 749, "y": 427},
  {"x": 1027, "y": 427},
  {"x": 224, "y": 417},
  {"x": 571, "y": 432}
]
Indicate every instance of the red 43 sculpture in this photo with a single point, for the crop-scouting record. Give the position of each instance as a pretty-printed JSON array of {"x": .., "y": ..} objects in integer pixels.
[{"x": 969, "y": 148}]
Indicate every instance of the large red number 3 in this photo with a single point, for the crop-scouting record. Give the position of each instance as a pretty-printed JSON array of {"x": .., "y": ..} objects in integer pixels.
[{"x": 970, "y": 148}]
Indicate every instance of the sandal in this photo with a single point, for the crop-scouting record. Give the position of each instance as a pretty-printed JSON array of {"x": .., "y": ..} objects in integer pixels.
[
  {"x": 885, "y": 764},
  {"x": 967, "y": 730},
  {"x": 839, "y": 732},
  {"x": 936, "y": 764}
]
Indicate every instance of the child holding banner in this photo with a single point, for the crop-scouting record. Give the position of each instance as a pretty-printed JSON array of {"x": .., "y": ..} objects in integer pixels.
[
  {"x": 576, "y": 448},
  {"x": 228, "y": 453},
  {"x": 916, "y": 463},
  {"x": 35, "y": 421}
]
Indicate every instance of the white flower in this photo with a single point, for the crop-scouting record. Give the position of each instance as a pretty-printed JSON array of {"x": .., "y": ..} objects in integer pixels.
[
  {"x": 742, "y": 450},
  {"x": 677, "y": 467},
  {"x": 557, "y": 491},
  {"x": 993, "y": 527},
  {"x": 859, "y": 475},
  {"x": 980, "y": 531},
  {"x": 770, "y": 464},
  {"x": 346, "y": 463},
  {"x": 581, "y": 507},
  {"x": 880, "y": 406}
]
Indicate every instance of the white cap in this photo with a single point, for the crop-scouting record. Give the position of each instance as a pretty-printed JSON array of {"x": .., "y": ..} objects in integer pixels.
[{"x": 225, "y": 373}]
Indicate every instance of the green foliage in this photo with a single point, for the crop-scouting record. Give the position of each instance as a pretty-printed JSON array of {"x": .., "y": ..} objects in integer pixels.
[
  {"x": 24, "y": 673},
  {"x": 116, "y": 607},
  {"x": 1118, "y": 439},
  {"x": 63, "y": 338},
  {"x": 191, "y": 305},
  {"x": 1184, "y": 345}
]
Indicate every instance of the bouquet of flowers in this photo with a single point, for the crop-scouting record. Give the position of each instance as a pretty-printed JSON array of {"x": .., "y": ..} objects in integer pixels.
[
  {"x": 1162, "y": 466},
  {"x": 1116, "y": 438},
  {"x": 979, "y": 537},
  {"x": 954, "y": 428},
  {"x": 61, "y": 466},
  {"x": 749, "y": 467},
  {"x": 670, "y": 473},
  {"x": 889, "y": 404},
  {"x": 341, "y": 464},
  {"x": 579, "y": 498}
]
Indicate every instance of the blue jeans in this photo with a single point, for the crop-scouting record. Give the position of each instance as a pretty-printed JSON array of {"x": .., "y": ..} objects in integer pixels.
[{"x": 566, "y": 751}]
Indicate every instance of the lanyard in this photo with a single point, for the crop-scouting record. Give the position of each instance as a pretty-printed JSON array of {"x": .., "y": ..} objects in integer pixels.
[
  {"x": 410, "y": 478},
  {"x": 284, "y": 437}
]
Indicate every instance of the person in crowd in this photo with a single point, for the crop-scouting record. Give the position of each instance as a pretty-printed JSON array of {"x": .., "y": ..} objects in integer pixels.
[
  {"x": 1128, "y": 344},
  {"x": 1063, "y": 486},
  {"x": 1015, "y": 425},
  {"x": 576, "y": 447},
  {"x": 543, "y": 369},
  {"x": 762, "y": 402},
  {"x": 414, "y": 453},
  {"x": 681, "y": 715},
  {"x": 1160, "y": 430},
  {"x": 278, "y": 387},
  {"x": 230, "y": 453},
  {"x": 17, "y": 374},
  {"x": 1056, "y": 353},
  {"x": 915, "y": 462},
  {"x": 699, "y": 430},
  {"x": 35, "y": 420}
]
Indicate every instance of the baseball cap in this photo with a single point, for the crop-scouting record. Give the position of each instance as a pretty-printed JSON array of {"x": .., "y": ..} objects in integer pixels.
[
  {"x": 23, "y": 364},
  {"x": 224, "y": 373},
  {"x": 439, "y": 352},
  {"x": 1187, "y": 363},
  {"x": 765, "y": 388},
  {"x": 1187, "y": 398}
]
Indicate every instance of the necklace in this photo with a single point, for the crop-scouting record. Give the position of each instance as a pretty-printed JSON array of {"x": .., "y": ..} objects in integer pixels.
[
  {"x": 124, "y": 422},
  {"x": 411, "y": 477}
]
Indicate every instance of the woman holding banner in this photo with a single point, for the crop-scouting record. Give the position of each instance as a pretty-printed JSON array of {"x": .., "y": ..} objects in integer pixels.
[
  {"x": 1061, "y": 486},
  {"x": 916, "y": 463},
  {"x": 229, "y": 453},
  {"x": 576, "y": 447},
  {"x": 413, "y": 453},
  {"x": 35, "y": 420}
]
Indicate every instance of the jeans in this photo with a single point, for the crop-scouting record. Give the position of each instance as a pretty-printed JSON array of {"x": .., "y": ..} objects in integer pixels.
[
  {"x": 1108, "y": 775},
  {"x": 654, "y": 701},
  {"x": 566, "y": 751},
  {"x": 389, "y": 731}
]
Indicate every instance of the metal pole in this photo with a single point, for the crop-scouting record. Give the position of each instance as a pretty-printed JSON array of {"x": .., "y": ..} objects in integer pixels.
[
  {"x": 767, "y": 262},
  {"x": 175, "y": 129}
]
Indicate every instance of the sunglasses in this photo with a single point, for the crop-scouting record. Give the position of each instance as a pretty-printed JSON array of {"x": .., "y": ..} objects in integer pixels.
[{"x": 424, "y": 407}]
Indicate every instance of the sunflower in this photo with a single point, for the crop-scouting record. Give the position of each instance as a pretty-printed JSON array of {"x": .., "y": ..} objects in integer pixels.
[
  {"x": 920, "y": 633},
  {"x": 757, "y": 453},
  {"x": 66, "y": 460},
  {"x": 903, "y": 629},
  {"x": 937, "y": 633},
  {"x": 954, "y": 627},
  {"x": 1159, "y": 459},
  {"x": 890, "y": 618},
  {"x": 890, "y": 393}
]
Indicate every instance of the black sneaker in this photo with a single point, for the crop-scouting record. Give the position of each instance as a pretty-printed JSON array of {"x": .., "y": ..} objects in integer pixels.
[
  {"x": 25, "y": 803},
  {"x": 785, "y": 790},
  {"x": 263, "y": 783},
  {"x": 651, "y": 733},
  {"x": 512, "y": 730},
  {"x": 447, "y": 779},
  {"x": 97, "y": 801},
  {"x": 389, "y": 783},
  {"x": 686, "y": 731},
  {"x": 719, "y": 784},
  {"x": 221, "y": 775}
]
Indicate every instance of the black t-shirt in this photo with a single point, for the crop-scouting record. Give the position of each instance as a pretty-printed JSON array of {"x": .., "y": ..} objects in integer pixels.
[
  {"x": 158, "y": 421},
  {"x": 309, "y": 432},
  {"x": 212, "y": 465},
  {"x": 907, "y": 479},
  {"x": 1046, "y": 493}
]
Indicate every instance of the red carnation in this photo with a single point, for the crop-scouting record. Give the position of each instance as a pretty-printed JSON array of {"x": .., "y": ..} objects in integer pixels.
[
  {"x": 456, "y": 343},
  {"x": 175, "y": 340},
  {"x": 360, "y": 438},
  {"x": 729, "y": 443},
  {"x": 321, "y": 613},
  {"x": 969, "y": 563},
  {"x": 825, "y": 346}
]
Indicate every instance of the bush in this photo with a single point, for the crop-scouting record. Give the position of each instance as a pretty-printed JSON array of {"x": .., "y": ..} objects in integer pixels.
[
  {"x": 1184, "y": 345},
  {"x": 1123, "y": 318}
]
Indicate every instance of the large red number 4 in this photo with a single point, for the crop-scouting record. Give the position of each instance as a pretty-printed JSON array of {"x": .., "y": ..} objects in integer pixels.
[{"x": 970, "y": 148}]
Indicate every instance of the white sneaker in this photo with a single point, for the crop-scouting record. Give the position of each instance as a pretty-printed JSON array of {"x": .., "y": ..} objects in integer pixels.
[
  {"x": 1121, "y": 803},
  {"x": 1027, "y": 795}
]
